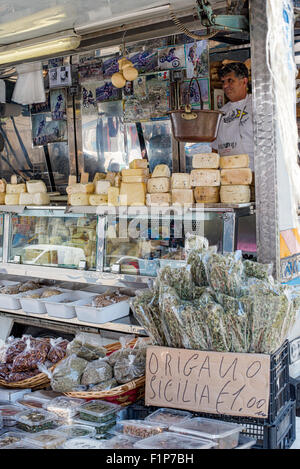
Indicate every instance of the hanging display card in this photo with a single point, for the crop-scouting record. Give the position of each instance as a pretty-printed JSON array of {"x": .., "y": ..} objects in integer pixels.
[
  {"x": 171, "y": 57},
  {"x": 236, "y": 384}
]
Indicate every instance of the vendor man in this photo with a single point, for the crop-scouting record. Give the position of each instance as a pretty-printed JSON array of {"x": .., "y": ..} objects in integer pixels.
[{"x": 235, "y": 135}]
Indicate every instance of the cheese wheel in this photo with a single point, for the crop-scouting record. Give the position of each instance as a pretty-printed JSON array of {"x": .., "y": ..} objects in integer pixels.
[
  {"x": 26, "y": 198},
  {"x": 235, "y": 194},
  {"x": 79, "y": 199},
  {"x": 134, "y": 179},
  {"x": 236, "y": 177},
  {"x": 161, "y": 171},
  {"x": 156, "y": 184},
  {"x": 101, "y": 187},
  {"x": 2, "y": 198},
  {"x": 205, "y": 177},
  {"x": 139, "y": 163},
  {"x": 113, "y": 196},
  {"x": 79, "y": 188},
  {"x": 12, "y": 199},
  {"x": 35, "y": 186},
  {"x": 72, "y": 180},
  {"x": 98, "y": 199},
  {"x": 132, "y": 193},
  {"x": 40, "y": 198},
  {"x": 234, "y": 161},
  {"x": 118, "y": 80},
  {"x": 207, "y": 195},
  {"x": 2, "y": 185},
  {"x": 158, "y": 199},
  {"x": 135, "y": 172},
  {"x": 130, "y": 73},
  {"x": 206, "y": 161},
  {"x": 111, "y": 176},
  {"x": 182, "y": 196},
  {"x": 15, "y": 188},
  {"x": 180, "y": 181}
]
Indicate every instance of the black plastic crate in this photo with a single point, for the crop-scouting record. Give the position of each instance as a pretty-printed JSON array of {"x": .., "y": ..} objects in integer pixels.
[
  {"x": 279, "y": 381},
  {"x": 295, "y": 390}
]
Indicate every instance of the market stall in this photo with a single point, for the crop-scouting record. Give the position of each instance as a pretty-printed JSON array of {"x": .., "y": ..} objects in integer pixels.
[{"x": 104, "y": 207}]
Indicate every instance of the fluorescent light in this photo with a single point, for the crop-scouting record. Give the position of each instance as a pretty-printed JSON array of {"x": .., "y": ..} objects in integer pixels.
[
  {"x": 22, "y": 51},
  {"x": 92, "y": 27}
]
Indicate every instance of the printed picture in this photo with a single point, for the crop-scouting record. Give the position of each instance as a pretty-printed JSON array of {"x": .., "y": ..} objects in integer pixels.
[
  {"x": 194, "y": 98},
  {"x": 110, "y": 66},
  {"x": 56, "y": 62},
  {"x": 171, "y": 57},
  {"x": 108, "y": 92},
  {"x": 37, "y": 108},
  {"x": 45, "y": 130},
  {"x": 58, "y": 104},
  {"x": 88, "y": 97},
  {"x": 219, "y": 99},
  {"x": 60, "y": 76},
  {"x": 92, "y": 70},
  {"x": 145, "y": 61},
  {"x": 197, "y": 59}
]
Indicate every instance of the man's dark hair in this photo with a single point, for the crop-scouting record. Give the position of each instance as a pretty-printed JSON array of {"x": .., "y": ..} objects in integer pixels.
[{"x": 240, "y": 70}]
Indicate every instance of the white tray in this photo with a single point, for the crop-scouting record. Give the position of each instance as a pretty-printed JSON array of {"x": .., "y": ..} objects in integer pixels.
[
  {"x": 55, "y": 308},
  {"x": 9, "y": 301},
  {"x": 101, "y": 315},
  {"x": 37, "y": 305}
]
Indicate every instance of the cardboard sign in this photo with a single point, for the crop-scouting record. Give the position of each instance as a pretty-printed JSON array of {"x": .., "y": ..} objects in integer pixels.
[{"x": 236, "y": 384}]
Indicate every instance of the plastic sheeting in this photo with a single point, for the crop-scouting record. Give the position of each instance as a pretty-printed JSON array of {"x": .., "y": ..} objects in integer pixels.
[{"x": 29, "y": 87}]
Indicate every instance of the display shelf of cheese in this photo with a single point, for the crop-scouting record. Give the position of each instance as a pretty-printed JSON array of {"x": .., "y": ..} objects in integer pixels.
[{"x": 31, "y": 192}]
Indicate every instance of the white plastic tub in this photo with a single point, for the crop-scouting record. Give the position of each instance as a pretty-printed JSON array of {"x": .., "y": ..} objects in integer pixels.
[
  {"x": 37, "y": 305},
  {"x": 9, "y": 301},
  {"x": 56, "y": 307},
  {"x": 101, "y": 315}
]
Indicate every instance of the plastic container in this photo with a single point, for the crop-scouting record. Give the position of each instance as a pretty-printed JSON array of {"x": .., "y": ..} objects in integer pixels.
[
  {"x": 36, "y": 420},
  {"x": 245, "y": 442},
  {"x": 12, "y": 395},
  {"x": 43, "y": 395},
  {"x": 98, "y": 411},
  {"x": 224, "y": 434},
  {"x": 139, "y": 428},
  {"x": 170, "y": 440},
  {"x": 48, "y": 439},
  {"x": 62, "y": 306},
  {"x": 101, "y": 315},
  {"x": 64, "y": 407},
  {"x": 9, "y": 413},
  {"x": 119, "y": 442},
  {"x": 9, "y": 301},
  {"x": 10, "y": 438},
  {"x": 77, "y": 431},
  {"x": 36, "y": 305},
  {"x": 100, "y": 428},
  {"x": 30, "y": 403},
  {"x": 81, "y": 443},
  {"x": 169, "y": 416}
]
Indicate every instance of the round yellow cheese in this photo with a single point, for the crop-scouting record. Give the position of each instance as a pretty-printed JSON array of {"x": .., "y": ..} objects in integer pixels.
[
  {"x": 130, "y": 73},
  {"x": 118, "y": 80}
]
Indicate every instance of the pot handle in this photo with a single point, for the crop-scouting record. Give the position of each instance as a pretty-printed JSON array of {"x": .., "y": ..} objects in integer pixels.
[{"x": 189, "y": 93}]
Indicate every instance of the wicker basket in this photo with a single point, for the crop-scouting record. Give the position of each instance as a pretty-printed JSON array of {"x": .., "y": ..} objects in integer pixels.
[{"x": 41, "y": 380}]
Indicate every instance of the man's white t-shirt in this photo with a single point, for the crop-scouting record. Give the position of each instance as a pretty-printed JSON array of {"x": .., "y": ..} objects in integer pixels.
[{"x": 235, "y": 135}]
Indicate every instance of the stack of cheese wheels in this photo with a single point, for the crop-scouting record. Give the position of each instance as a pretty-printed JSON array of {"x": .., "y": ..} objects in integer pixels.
[
  {"x": 79, "y": 193},
  {"x": 133, "y": 186},
  {"x": 158, "y": 186},
  {"x": 181, "y": 189},
  {"x": 236, "y": 178},
  {"x": 32, "y": 192},
  {"x": 206, "y": 178}
]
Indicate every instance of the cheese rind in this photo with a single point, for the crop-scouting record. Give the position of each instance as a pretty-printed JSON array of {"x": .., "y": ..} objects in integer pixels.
[
  {"x": 156, "y": 184},
  {"x": 138, "y": 163},
  {"x": 161, "y": 171},
  {"x": 235, "y": 194},
  {"x": 236, "y": 177},
  {"x": 36, "y": 186},
  {"x": 234, "y": 161},
  {"x": 206, "y": 161},
  {"x": 134, "y": 179},
  {"x": 101, "y": 187},
  {"x": 133, "y": 193},
  {"x": 26, "y": 198},
  {"x": 158, "y": 199},
  {"x": 15, "y": 188},
  {"x": 12, "y": 199},
  {"x": 79, "y": 188},
  {"x": 2, "y": 185},
  {"x": 41, "y": 198},
  {"x": 113, "y": 196},
  {"x": 79, "y": 199},
  {"x": 182, "y": 196},
  {"x": 180, "y": 181},
  {"x": 98, "y": 199},
  {"x": 206, "y": 195},
  {"x": 135, "y": 172},
  {"x": 205, "y": 177},
  {"x": 2, "y": 198}
]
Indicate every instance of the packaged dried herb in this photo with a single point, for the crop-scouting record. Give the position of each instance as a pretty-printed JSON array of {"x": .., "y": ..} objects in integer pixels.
[
  {"x": 104, "y": 386},
  {"x": 171, "y": 306},
  {"x": 96, "y": 372},
  {"x": 124, "y": 351},
  {"x": 258, "y": 270},
  {"x": 67, "y": 374},
  {"x": 197, "y": 259},
  {"x": 131, "y": 367},
  {"x": 225, "y": 273},
  {"x": 179, "y": 278},
  {"x": 194, "y": 242},
  {"x": 88, "y": 346}
]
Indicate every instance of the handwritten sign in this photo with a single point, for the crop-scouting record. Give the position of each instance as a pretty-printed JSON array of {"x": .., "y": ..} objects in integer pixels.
[{"x": 235, "y": 384}]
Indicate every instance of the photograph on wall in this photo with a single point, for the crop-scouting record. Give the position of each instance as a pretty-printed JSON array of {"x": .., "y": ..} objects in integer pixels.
[
  {"x": 194, "y": 98},
  {"x": 90, "y": 68},
  {"x": 108, "y": 92},
  {"x": 110, "y": 66},
  {"x": 45, "y": 130},
  {"x": 158, "y": 93},
  {"x": 145, "y": 61},
  {"x": 58, "y": 104},
  {"x": 60, "y": 76},
  {"x": 37, "y": 108},
  {"x": 219, "y": 99},
  {"x": 139, "y": 87},
  {"x": 171, "y": 57},
  {"x": 197, "y": 59},
  {"x": 88, "y": 97}
]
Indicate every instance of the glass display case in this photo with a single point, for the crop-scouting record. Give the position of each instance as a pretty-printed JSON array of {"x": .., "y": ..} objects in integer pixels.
[{"x": 55, "y": 241}]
